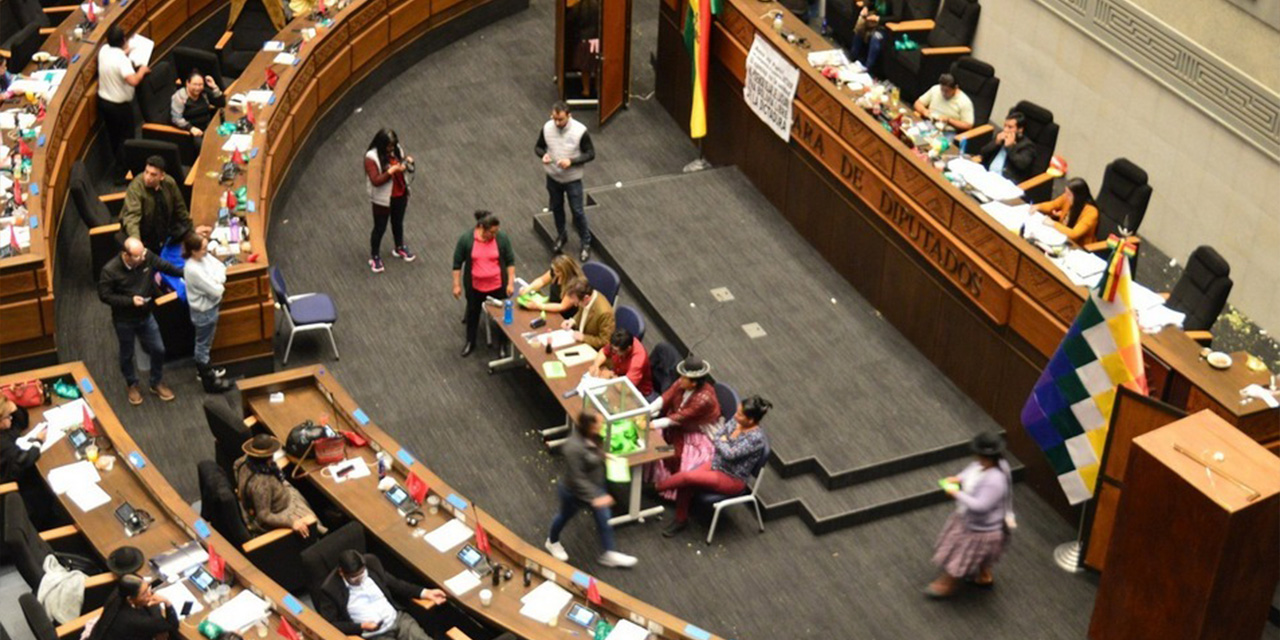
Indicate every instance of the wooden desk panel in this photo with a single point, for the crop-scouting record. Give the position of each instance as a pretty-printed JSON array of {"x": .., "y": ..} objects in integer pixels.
[
  {"x": 311, "y": 392},
  {"x": 146, "y": 489}
]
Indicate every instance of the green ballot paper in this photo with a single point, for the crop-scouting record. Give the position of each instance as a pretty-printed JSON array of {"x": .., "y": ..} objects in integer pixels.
[
  {"x": 947, "y": 486},
  {"x": 617, "y": 470},
  {"x": 553, "y": 369},
  {"x": 532, "y": 296}
]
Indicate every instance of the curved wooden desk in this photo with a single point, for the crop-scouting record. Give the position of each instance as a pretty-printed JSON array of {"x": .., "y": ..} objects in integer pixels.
[
  {"x": 310, "y": 393},
  {"x": 145, "y": 488},
  {"x": 27, "y": 326},
  {"x": 983, "y": 304}
]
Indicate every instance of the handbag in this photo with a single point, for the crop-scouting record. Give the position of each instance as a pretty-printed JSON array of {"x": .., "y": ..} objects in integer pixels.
[
  {"x": 309, "y": 439},
  {"x": 24, "y": 394}
]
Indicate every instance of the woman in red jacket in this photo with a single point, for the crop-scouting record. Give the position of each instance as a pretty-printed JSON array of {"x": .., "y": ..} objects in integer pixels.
[{"x": 687, "y": 413}]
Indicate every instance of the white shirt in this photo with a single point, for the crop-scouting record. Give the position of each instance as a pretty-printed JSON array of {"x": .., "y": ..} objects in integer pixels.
[
  {"x": 113, "y": 66},
  {"x": 958, "y": 107},
  {"x": 206, "y": 281},
  {"x": 366, "y": 603}
]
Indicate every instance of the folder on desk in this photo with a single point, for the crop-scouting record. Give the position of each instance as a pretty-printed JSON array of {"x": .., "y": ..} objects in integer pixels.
[
  {"x": 576, "y": 355},
  {"x": 553, "y": 369}
]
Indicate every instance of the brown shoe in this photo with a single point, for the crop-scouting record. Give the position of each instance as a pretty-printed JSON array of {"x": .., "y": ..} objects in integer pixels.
[
  {"x": 135, "y": 395},
  {"x": 163, "y": 391}
]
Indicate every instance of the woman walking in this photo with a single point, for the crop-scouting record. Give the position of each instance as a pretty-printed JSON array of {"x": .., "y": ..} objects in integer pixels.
[
  {"x": 384, "y": 166},
  {"x": 975, "y": 535},
  {"x": 583, "y": 486},
  {"x": 206, "y": 279},
  {"x": 483, "y": 265}
]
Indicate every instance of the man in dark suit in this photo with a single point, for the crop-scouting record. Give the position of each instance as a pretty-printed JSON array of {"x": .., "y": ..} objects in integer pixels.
[
  {"x": 361, "y": 599},
  {"x": 1010, "y": 153}
]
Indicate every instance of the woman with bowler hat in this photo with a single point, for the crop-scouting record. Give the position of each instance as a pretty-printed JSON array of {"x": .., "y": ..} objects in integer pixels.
[
  {"x": 975, "y": 535},
  {"x": 687, "y": 413}
]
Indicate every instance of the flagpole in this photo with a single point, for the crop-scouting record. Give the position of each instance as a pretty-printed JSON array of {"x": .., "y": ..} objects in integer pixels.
[
  {"x": 1067, "y": 554},
  {"x": 700, "y": 163}
]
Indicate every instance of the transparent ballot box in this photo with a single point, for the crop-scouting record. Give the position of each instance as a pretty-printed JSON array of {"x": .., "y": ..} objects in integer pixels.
[{"x": 624, "y": 411}]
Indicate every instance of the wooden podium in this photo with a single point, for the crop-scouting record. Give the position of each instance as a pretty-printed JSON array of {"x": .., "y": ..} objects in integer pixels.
[{"x": 1195, "y": 552}]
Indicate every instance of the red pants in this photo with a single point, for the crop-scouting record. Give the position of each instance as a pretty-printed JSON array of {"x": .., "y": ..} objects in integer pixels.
[{"x": 704, "y": 479}]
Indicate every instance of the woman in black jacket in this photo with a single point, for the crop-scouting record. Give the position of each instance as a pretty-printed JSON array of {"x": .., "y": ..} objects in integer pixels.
[{"x": 134, "y": 612}]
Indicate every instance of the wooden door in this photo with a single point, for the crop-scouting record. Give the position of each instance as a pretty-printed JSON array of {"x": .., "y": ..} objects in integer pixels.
[
  {"x": 560, "y": 35},
  {"x": 614, "y": 77}
]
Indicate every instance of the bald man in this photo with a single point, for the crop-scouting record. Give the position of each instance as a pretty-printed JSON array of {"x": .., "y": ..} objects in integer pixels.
[{"x": 128, "y": 284}]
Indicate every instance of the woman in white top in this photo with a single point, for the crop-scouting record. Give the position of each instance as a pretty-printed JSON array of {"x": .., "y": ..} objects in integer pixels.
[
  {"x": 116, "y": 81},
  {"x": 206, "y": 279}
]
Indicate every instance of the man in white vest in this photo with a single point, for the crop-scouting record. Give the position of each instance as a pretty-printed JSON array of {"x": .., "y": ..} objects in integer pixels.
[{"x": 564, "y": 146}]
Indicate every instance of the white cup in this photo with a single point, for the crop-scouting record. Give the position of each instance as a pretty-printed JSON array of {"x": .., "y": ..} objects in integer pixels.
[
  {"x": 486, "y": 597},
  {"x": 79, "y": 33},
  {"x": 433, "y": 504}
]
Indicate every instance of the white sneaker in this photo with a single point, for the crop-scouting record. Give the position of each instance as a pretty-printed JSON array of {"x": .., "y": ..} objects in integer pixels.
[
  {"x": 557, "y": 550},
  {"x": 617, "y": 559}
]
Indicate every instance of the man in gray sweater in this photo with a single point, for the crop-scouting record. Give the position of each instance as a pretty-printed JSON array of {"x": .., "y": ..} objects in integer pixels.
[{"x": 564, "y": 146}]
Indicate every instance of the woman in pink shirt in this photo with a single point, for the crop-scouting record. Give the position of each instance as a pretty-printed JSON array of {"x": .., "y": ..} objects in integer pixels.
[{"x": 483, "y": 265}]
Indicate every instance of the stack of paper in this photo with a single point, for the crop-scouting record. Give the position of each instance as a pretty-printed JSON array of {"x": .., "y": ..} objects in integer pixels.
[
  {"x": 238, "y": 141},
  {"x": 140, "y": 48},
  {"x": 448, "y": 535},
  {"x": 1084, "y": 264},
  {"x": 178, "y": 562},
  {"x": 1038, "y": 230},
  {"x": 240, "y": 612},
  {"x": 558, "y": 338},
  {"x": 545, "y": 603},
  {"x": 628, "y": 630},
  {"x": 994, "y": 186},
  {"x": 1010, "y": 217},
  {"x": 179, "y": 595}
]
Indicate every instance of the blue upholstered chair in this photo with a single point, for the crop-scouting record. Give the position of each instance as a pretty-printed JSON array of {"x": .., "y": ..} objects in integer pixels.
[
  {"x": 304, "y": 312},
  {"x": 631, "y": 320}
]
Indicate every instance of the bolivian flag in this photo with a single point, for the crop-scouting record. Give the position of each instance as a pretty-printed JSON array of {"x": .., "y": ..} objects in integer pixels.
[{"x": 697, "y": 37}]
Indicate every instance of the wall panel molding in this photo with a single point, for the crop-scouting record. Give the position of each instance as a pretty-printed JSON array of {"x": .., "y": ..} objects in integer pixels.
[{"x": 1237, "y": 101}]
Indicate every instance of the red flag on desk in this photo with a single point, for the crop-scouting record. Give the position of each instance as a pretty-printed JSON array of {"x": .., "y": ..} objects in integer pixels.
[
  {"x": 321, "y": 9},
  {"x": 92, "y": 14},
  {"x": 230, "y": 200},
  {"x": 286, "y": 630},
  {"x": 416, "y": 487},
  {"x": 248, "y": 114},
  {"x": 62, "y": 48},
  {"x": 17, "y": 194},
  {"x": 237, "y": 158},
  {"x": 24, "y": 149},
  {"x": 593, "y": 592},
  {"x": 217, "y": 565},
  {"x": 482, "y": 538},
  {"x": 86, "y": 420},
  {"x": 13, "y": 239},
  {"x": 272, "y": 78}
]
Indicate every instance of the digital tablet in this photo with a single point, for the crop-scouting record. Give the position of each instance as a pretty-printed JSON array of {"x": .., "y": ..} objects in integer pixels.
[{"x": 581, "y": 615}]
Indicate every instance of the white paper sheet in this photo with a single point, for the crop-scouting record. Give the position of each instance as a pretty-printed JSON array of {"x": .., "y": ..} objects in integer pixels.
[
  {"x": 1262, "y": 393},
  {"x": 1084, "y": 264},
  {"x": 72, "y": 476},
  {"x": 1143, "y": 298},
  {"x": 240, "y": 612},
  {"x": 1153, "y": 319},
  {"x": 1010, "y": 217},
  {"x": 88, "y": 496},
  {"x": 994, "y": 186},
  {"x": 273, "y": 45},
  {"x": 462, "y": 583},
  {"x": 178, "y": 595},
  {"x": 359, "y": 469},
  {"x": 449, "y": 535},
  {"x": 140, "y": 48},
  {"x": 69, "y": 415},
  {"x": 559, "y": 338},
  {"x": 259, "y": 96},
  {"x": 628, "y": 630},
  {"x": 1037, "y": 229},
  {"x": 284, "y": 58},
  {"x": 576, "y": 355},
  {"x": 241, "y": 141},
  {"x": 545, "y": 602}
]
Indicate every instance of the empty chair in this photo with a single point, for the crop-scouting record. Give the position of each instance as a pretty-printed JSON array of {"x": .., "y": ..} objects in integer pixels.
[
  {"x": 21, "y": 46},
  {"x": 45, "y": 19},
  {"x": 728, "y": 399},
  {"x": 978, "y": 80},
  {"x": 256, "y": 23},
  {"x": 603, "y": 279},
  {"x": 1202, "y": 291},
  {"x": 229, "y": 432},
  {"x": 304, "y": 312},
  {"x": 719, "y": 502},
  {"x": 662, "y": 363},
  {"x": 99, "y": 213},
  {"x": 1122, "y": 199},
  {"x": 915, "y": 70},
  {"x": 275, "y": 552},
  {"x": 631, "y": 320},
  {"x": 38, "y": 621}
]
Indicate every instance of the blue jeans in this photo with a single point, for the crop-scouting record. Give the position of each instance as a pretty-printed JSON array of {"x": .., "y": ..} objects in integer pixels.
[
  {"x": 148, "y": 332},
  {"x": 868, "y": 52},
  {"x": 573, "y": 190},
  {"x": 206, "y": 323},
  {"x": 569, "y": 506}
]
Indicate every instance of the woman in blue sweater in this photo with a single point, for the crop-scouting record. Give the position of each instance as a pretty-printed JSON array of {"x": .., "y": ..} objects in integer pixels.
[{"x": 975, "y": 534}]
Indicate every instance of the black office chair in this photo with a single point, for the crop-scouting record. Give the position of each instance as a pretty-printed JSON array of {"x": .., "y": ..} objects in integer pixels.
[
  {"x": 319, "y": 559},
  {"x": 978, "y": 80},
  {"x": 185, "y": 59},
  {"x": 229, "y": 432},
  {"x": 1122, "y": 199},
  {"x": 42, "y": 628},
  {"x": 913, "y": 71},
  {"x": 99, "y": 214},
  {"x": 21, "y": 46},
  {"x": 28, "y": 549},
  {"x": 137, "y": 151},
  {"x": 276, "y": 553},
  {"x": 154, "y": 96},
  {"x": 1202, "y": 291},
  {"x": 662, "y": 365},
  {"x": 45, "y": 18},
  {"x": 244, "y": 40}
]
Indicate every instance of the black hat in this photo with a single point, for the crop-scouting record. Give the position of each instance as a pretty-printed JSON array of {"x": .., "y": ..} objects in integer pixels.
[
  {"x": 693, "y": 367},
  {"x": 261, "y": 446},
  {"x": 125, "y": 560},
  {"x": 988, "y": 443}
]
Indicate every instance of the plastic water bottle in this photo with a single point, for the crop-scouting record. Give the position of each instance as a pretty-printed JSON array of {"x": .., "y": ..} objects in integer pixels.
[
  {"x": 235, "y": 229},
  {"x": 507, "y": 312}
]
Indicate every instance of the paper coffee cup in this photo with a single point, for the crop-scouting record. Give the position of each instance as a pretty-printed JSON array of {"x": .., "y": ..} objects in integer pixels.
[{"x": 486, "y": 597}]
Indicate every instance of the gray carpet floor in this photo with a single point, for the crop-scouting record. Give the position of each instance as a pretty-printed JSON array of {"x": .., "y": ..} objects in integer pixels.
[{"x": 470, "y": 114}]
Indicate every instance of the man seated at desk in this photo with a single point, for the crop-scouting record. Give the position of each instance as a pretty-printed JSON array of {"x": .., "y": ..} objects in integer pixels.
[
  {"x": 945, "y": 103},
  {"x": 154, "y": 210},
  {"x": 1010, "y": 153},
  {"x": 625, "y": 356},
  {"x": 593, "y": 323},
  {"x": 193, "y": 105},
  {"x": 361, "y": 599}
]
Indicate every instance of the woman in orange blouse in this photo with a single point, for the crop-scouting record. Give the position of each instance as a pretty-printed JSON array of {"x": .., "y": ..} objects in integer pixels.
[{"x": 1073, "y": 213}]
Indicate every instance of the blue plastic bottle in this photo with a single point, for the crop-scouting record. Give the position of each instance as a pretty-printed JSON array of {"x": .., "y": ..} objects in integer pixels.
[{"x": 507, "y": 312}]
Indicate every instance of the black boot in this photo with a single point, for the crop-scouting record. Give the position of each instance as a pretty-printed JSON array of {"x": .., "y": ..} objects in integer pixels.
[{"x": 212, "y": 383}]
